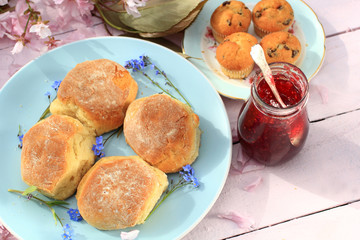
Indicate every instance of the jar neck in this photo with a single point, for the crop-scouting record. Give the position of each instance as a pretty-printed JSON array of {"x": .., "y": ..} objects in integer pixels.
[{"x": 289, "y": 73}]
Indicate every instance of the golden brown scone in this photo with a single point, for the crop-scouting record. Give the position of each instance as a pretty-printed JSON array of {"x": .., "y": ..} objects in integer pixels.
[
  {"x": 56, "y": 154},
  {"x": 97, "y": 93},
  {"x": 163, "y": 131},
  {"x": 281, "y": 47},
  {"x": 119, "y": 192}
]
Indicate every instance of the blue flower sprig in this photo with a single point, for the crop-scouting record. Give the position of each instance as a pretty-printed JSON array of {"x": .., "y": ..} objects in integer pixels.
[
  {"x": 55, "y": 86},
  {"x": 142, "y": 64},
  {"x": 74, "y": 214},
  {"x": 186, "y": 177},
  {"x": 99, "y": 147},
  {"x": 20, "y": 136}
]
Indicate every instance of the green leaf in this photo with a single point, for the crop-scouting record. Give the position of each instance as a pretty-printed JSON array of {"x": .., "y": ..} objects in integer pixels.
[
  {"x": 156, "y": 16},
  {"x": 29, "y": 190}
]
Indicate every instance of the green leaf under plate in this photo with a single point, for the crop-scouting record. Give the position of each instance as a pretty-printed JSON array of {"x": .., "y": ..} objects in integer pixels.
[{"x": 158, "y": 16}]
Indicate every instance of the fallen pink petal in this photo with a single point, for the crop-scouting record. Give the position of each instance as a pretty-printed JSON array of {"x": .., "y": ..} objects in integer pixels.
[
  {"x": 243, "y": 222},
  {"x": 252, "y": 186},
  {"x": 241, "y": 156},
  {"x": 323, "y": 91},
  {"x": 236, "y": 166},
  {"x": 252, "y": 166},
  {"x": 129, "y": 235}
]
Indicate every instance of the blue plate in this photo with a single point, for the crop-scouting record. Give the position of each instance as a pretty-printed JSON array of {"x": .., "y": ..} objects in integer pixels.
[
  {"x": 22, "y": 101},
  {"x": 201, "y": 47}
]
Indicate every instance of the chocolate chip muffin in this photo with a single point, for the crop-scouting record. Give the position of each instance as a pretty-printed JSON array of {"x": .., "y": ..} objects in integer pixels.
[
  {"x": 281, "y": 47},
  {"x": 228, "y": 18},
  {"x": 271, "y": 16},
  {"x": 233, "y": 55}
]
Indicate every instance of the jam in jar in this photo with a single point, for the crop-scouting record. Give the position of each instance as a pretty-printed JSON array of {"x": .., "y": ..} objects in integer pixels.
[{"x": 268, "y": 133}]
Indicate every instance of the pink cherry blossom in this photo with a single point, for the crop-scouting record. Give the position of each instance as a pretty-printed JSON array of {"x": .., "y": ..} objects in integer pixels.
[
  {"x": 18, "y": 19},
  {"x": 5, "y": 234},
  {"x": 51, "y": 43},
  {"x": 6, "y": 23},
  {"x": 131, "y": 7},
  {"x": 18, "y": 47},
  {"x": 41, "y": 29},
  {"x": 70, "y": 11},
  {"x": 3, "y": 2}
]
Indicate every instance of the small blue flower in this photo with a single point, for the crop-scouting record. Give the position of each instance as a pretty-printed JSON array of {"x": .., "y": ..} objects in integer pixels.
[
  {"x": 137, "y": 64},
  {"x": 188, "y": 175},
  {"x": 56, "y": 85},
  {"x": 20, "y": 140},
  {"x": 187, "y": 168},
  {"x": 99, "y": 147},
  {"x": 48, "y": 94},
  {"x": 68, "y": 232},
  {"x": 195, "y": 182},
  {"x": 74, "y": 215}
]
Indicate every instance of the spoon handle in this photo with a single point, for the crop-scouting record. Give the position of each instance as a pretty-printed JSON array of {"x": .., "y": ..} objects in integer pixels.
[{"x": 257, "y": 53}]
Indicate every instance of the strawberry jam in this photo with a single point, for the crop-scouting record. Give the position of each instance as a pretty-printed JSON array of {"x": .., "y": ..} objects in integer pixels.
[{"x": 268, "y": 133}]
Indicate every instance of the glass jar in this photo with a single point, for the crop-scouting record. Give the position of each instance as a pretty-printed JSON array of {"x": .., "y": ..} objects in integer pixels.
[{"x": 268, "y": 133}]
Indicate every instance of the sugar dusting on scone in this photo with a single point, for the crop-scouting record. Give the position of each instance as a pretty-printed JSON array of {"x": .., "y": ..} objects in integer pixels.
[
  {"x": 97, "y": 93},
  {"x": 163, "y": 131},
  {"x": 56, "y": 154},
  {"x": 119, "y": 192}
]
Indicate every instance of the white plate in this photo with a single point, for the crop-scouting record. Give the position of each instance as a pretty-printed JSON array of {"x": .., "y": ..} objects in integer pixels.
[
  {"x": 198, "y": 44},
  {"x": 22, "y": 101}
]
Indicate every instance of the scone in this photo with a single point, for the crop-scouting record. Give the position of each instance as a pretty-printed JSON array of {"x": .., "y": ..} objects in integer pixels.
[
  {"x": 281, "y": 47},
  {"x": 55, "y": 156},
  {"x": 163, "y": 131},
  {"x": 272, "y": 16},
  {"x": 228, "y": 18},
  {"x": 97, "y": 93},
  {"x": 119, "y": 192},
  {"x": 233, "y": 55}
]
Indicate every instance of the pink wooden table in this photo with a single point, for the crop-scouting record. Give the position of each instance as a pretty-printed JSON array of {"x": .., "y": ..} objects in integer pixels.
[{"x": 317, "y": 194}]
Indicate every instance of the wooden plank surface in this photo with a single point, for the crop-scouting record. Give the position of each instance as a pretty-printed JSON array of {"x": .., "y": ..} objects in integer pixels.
[
  {"x": 335, "y": 89},
  {"x": 290, "y": 200},
  {"x": 325, "y": 174},
  {"x": 339, "y": 223},
  {"x": 337, "y": 16}
]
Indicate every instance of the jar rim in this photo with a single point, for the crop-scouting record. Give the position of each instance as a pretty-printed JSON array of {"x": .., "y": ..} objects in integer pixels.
[{"x": 289, "y": 109}]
